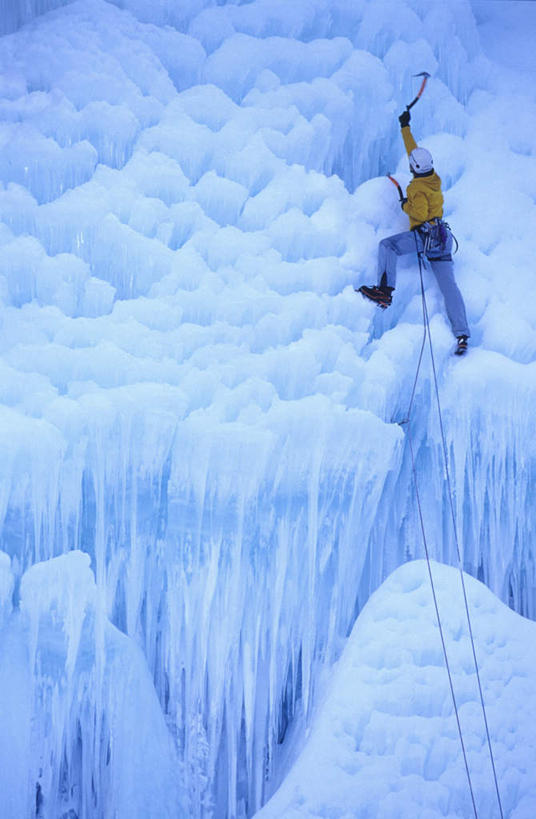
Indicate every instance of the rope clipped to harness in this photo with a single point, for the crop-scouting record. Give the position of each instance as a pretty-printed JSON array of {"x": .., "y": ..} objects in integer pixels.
[
  {"x": 427, "y": 334},
  {"x": 435, "y": 235},
  {"x": 435, "y": 238}
]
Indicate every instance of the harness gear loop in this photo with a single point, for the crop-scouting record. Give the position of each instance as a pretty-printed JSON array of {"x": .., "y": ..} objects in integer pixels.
[{"x": 435, "y": 235}]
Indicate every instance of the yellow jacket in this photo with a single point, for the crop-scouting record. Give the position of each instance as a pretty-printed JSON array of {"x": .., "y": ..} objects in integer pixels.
[{"x": 425, "y": 200}]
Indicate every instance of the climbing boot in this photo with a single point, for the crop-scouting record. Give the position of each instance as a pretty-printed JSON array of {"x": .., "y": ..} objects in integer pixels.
[
  {"x": 381, "y": 296},
  {"x": 461, "y": 348}
]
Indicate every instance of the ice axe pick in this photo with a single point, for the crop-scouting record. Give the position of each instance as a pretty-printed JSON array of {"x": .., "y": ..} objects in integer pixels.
[{"x": 425, "y": 75}]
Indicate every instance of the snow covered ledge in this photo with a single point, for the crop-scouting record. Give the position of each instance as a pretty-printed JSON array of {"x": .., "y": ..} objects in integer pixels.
[{"x": 384, "y": 742}]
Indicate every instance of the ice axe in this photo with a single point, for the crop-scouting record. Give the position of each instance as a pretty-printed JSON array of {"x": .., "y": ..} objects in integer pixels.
[
  {"x": 393, "y": 180},
  {"x": 426, "y": 77}
]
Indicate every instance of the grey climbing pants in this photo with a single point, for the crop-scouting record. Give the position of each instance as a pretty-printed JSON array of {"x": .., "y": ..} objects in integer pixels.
[{"x": 411, "y": 241}]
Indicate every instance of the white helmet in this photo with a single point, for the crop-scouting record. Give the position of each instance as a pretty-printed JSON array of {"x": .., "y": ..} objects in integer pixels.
[{"x": 420, "y": 161}]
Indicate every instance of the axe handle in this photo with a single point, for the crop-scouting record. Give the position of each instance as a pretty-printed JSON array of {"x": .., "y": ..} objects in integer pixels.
[
  {"x": 417, "y": 98},
  {"x": 393, "y": 180}
]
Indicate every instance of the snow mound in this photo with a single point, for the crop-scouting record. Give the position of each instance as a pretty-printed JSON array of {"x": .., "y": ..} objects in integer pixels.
[{"x": 384, "y": 742}]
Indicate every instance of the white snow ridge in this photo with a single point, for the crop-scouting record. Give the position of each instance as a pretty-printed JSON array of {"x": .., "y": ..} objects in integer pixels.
[
  {"x": 385, "y": 741},
  {"x": 204, "y": 471}
]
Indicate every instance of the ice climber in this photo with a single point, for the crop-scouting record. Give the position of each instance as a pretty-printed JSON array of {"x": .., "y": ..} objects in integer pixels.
[{"x": 428, "y": 234}]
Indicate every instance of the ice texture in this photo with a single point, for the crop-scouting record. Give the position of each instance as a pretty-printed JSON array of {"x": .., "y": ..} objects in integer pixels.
[
  {"x": 87, "y": 736},
  {"x": 199, "y": 418},
  {"x": 385, "y": 743}
]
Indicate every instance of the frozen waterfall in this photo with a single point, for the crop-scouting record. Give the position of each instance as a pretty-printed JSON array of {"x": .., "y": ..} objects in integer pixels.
[{"x": 204, "y": 477}]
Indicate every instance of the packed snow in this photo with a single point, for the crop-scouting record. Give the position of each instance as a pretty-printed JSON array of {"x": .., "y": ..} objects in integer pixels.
[
  {"x": 385, "y": 741},
  {"x": 204, "y": 474}
]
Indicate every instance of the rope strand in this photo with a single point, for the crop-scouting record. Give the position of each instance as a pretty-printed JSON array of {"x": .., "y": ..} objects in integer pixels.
[
  {"x": 425, "y": 544},
  {"x": 456, "y": 541}
]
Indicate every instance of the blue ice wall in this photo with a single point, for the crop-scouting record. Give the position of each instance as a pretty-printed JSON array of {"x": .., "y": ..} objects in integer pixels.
[{"x": 195, "y": 399}]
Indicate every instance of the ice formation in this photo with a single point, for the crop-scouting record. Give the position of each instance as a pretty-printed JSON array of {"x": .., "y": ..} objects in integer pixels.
[
  {"x": 78, "y": 704},
  {"x": 193, "y": 398},
  {"x": 385, "y": 741}
]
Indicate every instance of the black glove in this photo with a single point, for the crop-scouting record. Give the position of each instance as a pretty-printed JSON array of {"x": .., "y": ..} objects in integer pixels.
[
  {"x": 404, "y": 119},
  {"x": 403, "y": 202}
]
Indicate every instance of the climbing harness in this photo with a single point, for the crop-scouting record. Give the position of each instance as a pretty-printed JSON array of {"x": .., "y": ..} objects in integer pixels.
[
  {"x": 427, "y": 334},
  {"x": 435, "y": 235}
]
